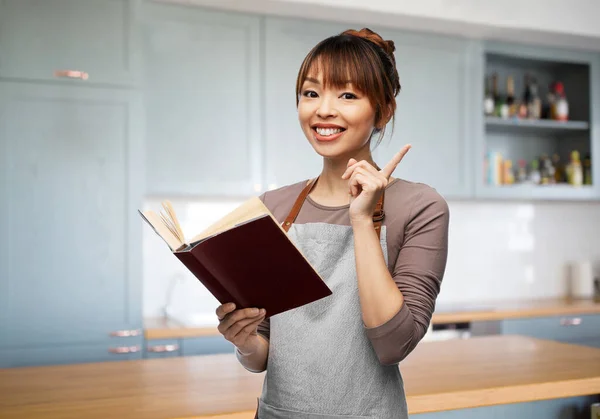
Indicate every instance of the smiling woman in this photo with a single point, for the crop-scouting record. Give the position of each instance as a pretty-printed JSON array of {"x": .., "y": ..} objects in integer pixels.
[{"x": 380, "y": 244}]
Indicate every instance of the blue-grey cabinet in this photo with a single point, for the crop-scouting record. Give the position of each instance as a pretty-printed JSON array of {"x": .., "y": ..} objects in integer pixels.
[
  {"x": 188, "y": 346},
  {"x": 162, "y": 348},
  {"x": 433, "y": 112},
  {"x": 580, "y": 329},
  {"x": 433, "y": 106},
  {"x": 206, "y": 346},
  {"x": 70, "y": 260},
  {"x": 202, "y": 97},
  {"x": 40, "y": 40},
  {"x": 566, "y": 408}
]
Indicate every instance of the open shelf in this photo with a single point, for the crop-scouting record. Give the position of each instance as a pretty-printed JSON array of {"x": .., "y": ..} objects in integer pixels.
[
  {"x": 558, "y": 192},
  {"x": 537, "y": 141},
  {"x": 542, "y": 126}
]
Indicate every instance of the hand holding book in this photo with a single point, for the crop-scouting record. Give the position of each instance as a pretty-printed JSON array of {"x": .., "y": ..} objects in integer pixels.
[{"x": 239, "y": 326}]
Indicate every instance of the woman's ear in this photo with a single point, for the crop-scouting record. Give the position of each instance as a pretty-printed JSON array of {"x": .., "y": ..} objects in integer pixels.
[
  {"x": 385, "y": 118},
  {"x": 389, "y": 113}
]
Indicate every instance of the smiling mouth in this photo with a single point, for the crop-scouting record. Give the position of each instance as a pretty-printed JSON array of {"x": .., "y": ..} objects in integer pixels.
[{"x": 328, "y": 132}]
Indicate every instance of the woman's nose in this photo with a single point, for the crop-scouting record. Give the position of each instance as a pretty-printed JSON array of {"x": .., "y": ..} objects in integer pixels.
[{"x": 326, "y": 108}]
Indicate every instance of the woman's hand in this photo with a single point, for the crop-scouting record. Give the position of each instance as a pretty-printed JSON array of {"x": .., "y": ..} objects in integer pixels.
[
  {"x": 366, "y": 183},
  {"x": 239, "y": 326}
]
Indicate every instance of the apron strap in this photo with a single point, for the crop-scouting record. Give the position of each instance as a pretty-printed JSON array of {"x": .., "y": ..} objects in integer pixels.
[{"x": 378, "y": 213}]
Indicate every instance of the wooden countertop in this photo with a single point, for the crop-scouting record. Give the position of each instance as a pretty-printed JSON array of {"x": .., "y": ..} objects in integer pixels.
[
  {"x": 161, "y": 328},
  {"x": 438, "y": 376},
  {"x": 514, "y": 309},
  {"x": 158, "y": 328}
]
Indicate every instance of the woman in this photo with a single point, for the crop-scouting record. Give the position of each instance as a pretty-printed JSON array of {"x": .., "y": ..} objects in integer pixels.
[{"x": 384, "y": 259}]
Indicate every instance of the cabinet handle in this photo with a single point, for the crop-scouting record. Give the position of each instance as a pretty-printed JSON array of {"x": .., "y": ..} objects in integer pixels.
[
  {"x": 124, "y": 349},
  {"x": 575, "y": 321},
  {"x": 163, "y": 348},
  {"x": 72, "y": 74},
  {"x": 127, "y": 333}
]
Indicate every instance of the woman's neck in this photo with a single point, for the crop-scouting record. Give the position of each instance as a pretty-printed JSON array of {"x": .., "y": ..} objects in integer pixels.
[{"x": 331, "y": 189}]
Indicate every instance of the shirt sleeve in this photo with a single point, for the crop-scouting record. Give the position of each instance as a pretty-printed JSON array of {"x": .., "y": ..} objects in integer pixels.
[
  {"x": 264, "y": 329},
  {"x": 418, "y": 273}
]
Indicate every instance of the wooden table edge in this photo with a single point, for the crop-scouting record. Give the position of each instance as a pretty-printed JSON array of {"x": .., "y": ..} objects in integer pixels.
[
  {"x": 486, "y": 397},
  {"x": 439, "y": 402}
]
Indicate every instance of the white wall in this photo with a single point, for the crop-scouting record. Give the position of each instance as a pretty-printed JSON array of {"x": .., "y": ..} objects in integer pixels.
[
  {"x": 497, "y": 251},
  {"x": 554, "y": 22}
]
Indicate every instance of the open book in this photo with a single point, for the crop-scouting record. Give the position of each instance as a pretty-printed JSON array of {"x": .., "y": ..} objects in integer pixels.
[{"x": 245, "y": 257}]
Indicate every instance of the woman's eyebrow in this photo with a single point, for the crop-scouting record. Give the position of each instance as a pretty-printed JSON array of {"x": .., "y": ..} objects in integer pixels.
[{"x": 316, "y": 81}]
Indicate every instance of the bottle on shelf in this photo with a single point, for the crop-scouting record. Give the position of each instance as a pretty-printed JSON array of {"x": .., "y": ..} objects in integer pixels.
[
  {"x": 574, "y": 170},
  {"x": 508, "y": 177},
  {"x": 524, "y": 105},
  {"x": 587, "y": 169},
  {"x": 501, "y": 109},
  {"x": 522, "y": 171},
  {"x": 494, "y": 168},
  {"x": 559, "y": 106},
  {"x": 534, "y": 175},
  {"x": 559, "y": 169},
  {"x": 534, "y": 105},
  {"x": 488, "y": 101},
  {"x": 511, "y": 105},
  {"x": 548, "y": 171}
]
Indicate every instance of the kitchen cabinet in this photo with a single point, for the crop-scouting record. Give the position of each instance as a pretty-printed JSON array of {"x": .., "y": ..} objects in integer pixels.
[
  {"x": 70, "y": 260},
  {"x": 97, "y": 37},
  {"x": 432, "y": 106},
  {"x": 432, "y": 113},
  {"x": 162, "y": 348},
  {"x": 203, "y": 102},
  {"x": 187, "y": 346},
  {"x": 206, "y": 346},
  {"x": 580, "y": 329},
  {"x": 561, "y": 408},
  {"x": 528, "y": 140}
]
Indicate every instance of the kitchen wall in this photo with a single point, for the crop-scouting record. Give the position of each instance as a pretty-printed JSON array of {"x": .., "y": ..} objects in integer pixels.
[
  {"x": 497, "y": 251},
  {"x": 537, "y": 21}
]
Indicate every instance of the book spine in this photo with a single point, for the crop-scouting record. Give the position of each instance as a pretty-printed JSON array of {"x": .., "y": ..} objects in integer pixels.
[{"x": 206, "y": 278}]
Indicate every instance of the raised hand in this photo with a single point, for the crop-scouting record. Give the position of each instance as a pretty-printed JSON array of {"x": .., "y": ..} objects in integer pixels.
[{"x": 366, "y": 183}]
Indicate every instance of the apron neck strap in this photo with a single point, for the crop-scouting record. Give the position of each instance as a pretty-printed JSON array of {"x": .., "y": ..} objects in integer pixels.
[{"x": 378, "y": 214}]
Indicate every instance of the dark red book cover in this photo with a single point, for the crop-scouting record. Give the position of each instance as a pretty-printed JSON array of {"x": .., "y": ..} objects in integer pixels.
[{"x": 255, "y": 265}]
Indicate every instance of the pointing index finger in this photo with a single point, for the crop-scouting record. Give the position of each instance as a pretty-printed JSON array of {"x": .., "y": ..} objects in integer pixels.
[{"x": 391, "y": 166}]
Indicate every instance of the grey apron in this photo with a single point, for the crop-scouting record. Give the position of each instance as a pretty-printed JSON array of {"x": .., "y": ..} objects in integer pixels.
[{"x": 321, "y": 364}]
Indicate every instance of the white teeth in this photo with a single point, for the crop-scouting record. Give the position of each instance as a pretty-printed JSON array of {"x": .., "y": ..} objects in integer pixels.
[{"x": 328, "y": 131}]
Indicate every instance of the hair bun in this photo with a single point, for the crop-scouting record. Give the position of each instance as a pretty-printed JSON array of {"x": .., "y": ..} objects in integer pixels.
[{"x": 369, "y": 35}]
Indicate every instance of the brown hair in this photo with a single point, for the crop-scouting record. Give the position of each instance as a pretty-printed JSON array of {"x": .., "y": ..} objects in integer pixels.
[{"x": 364, "y": 58}]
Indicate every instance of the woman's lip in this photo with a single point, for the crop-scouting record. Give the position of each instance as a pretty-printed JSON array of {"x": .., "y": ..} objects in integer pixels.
[
  {"x": 327, "y": 138},
  {"x": 326, "y": 126}
]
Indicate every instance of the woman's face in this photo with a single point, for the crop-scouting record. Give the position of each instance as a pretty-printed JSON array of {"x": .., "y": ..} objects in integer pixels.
[{"x": 336, "y": 121}]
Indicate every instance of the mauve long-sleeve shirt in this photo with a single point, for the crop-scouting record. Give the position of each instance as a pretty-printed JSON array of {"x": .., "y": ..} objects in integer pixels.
[{"x": 416, "y": 220}]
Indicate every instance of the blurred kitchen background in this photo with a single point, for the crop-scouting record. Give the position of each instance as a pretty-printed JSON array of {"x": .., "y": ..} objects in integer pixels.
[{"x": 110, "y": 106}]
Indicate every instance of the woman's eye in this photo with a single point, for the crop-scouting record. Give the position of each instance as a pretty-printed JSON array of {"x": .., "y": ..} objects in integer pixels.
[
  {"x": 310, "y": 93},
  {"x": 348, "y": 96}
]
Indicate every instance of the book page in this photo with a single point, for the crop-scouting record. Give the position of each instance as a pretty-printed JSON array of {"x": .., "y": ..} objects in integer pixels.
[
  {"x": 157, "y": 224},
  {"x": 170, "y": 218},
  {"x": 250, "y": 209}
]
